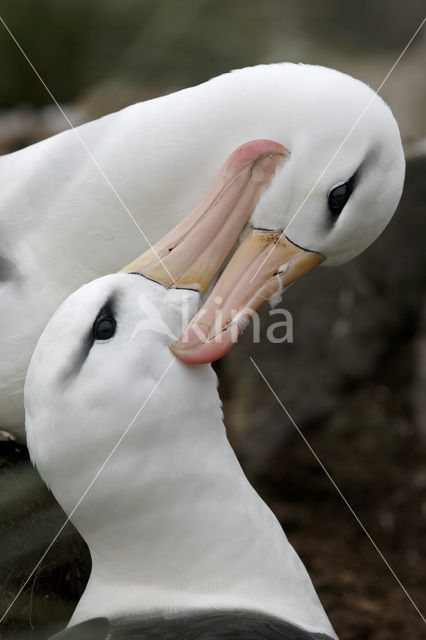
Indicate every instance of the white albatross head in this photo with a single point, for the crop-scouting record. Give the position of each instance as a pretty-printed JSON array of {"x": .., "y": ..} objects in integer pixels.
[{"x": 345, "y": 173}]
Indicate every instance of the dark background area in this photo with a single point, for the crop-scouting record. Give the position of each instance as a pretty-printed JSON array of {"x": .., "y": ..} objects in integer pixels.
[{"x": 354, "y": 377}]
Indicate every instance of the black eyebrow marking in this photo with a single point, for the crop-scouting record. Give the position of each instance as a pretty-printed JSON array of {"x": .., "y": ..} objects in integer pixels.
[{"x": 108, "y": 310}]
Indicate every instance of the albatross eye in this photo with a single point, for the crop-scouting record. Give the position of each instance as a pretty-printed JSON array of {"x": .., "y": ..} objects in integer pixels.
[
  {"x": 338, "y": 197},
  {"x": 104, "y": 328}
]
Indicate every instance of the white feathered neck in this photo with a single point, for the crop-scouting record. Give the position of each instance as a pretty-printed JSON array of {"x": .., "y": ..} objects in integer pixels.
[{"x": 177, "y": 526}]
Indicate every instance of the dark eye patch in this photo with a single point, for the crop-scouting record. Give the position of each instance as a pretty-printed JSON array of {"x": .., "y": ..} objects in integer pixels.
[
  {"x": 103, "y": 328},
  {"x": 338, "y": 197}
]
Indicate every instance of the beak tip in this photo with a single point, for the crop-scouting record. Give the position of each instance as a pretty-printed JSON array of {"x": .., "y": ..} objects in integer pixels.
[{"x": 203, "y": 352}]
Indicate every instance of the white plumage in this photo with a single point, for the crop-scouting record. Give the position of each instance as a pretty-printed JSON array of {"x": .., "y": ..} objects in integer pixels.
[{"x": 61, "y": 224}]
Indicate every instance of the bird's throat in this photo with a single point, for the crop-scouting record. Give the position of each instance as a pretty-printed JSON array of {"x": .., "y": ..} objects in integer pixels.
[{"x": 188, "y": 531}]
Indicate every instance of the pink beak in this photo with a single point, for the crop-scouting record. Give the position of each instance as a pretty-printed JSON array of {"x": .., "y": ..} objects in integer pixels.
[{"x": 192, "y": 253}]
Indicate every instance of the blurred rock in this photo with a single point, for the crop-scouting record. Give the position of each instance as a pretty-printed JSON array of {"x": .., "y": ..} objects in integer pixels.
[{"x": 419, "y": 386}]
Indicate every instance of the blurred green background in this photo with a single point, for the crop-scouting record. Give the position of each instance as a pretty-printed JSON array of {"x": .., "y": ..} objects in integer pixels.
[
  {"x": 354, "y": 378},
  {"x": 106, "y": 53}
]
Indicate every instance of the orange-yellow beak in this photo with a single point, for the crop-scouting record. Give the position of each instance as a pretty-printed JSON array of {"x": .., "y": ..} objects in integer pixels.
[{"x": 191, "y": 255}]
